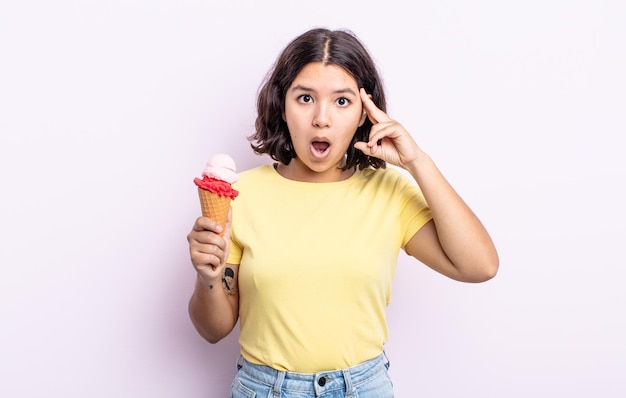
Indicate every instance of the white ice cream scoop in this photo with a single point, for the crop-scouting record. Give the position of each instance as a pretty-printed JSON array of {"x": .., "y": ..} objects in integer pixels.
[{"x": 221, "y": 167}]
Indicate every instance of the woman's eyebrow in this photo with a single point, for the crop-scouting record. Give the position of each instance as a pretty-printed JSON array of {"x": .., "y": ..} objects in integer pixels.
[
  {"x": 300, "y": 87},
  {"x": 346, "y": 90},
  {"x": 309, "y": 89}
]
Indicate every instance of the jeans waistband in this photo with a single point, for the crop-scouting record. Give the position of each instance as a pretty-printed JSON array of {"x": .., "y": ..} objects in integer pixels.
[{"x": 319, "y": 382}]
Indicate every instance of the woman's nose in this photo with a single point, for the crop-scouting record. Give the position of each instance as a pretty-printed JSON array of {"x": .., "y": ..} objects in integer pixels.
[{"x": 321, "y": 118}]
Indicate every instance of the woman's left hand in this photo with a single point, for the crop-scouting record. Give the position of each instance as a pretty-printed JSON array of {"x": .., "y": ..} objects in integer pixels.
[{"x": 388, "y": 139}]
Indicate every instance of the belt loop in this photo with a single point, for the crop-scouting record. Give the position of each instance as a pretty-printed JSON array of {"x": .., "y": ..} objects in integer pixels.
[
  {"x": 386, "y": 361},
  {"x": 347, "y": 379},
  {"x": 239, "y": 363},
  {"x": 280, "y": 378}
]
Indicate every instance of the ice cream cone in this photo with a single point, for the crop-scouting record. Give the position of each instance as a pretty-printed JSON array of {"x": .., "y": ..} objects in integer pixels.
[{"x": 214, "y": 206}]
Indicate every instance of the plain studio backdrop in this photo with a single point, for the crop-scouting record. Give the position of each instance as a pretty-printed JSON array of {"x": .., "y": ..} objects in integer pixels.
[{"x": 109, "y": 109}]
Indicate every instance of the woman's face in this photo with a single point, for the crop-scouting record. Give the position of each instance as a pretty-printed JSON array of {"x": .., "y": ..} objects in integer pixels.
[{"x": 323, "y": 109}]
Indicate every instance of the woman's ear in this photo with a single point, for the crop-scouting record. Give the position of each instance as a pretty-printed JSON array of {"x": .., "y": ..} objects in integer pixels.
[{"x": 363, "y": 116}]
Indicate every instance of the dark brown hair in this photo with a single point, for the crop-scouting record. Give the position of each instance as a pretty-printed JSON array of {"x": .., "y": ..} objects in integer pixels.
[{"x": 341, "y": 48}]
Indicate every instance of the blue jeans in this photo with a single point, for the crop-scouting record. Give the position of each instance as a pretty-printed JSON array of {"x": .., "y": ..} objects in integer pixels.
[{"x": 366, "y": 380}]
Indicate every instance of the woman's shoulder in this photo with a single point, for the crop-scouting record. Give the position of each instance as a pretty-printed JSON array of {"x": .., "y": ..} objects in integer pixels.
[
  {"x": 264, "y": 169},
  {"x": 391, "y": 180},
  {"x": 257, "y": 174},
  {"x": 387, "y": 174}
]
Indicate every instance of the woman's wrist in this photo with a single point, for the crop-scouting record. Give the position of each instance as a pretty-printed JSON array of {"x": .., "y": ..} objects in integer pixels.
[
  {"x": 207, "y": 283},
  {"x": 421, "y": 163}
]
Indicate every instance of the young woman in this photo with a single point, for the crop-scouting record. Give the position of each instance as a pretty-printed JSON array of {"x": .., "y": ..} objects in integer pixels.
[{"x": 308, "y": 255}]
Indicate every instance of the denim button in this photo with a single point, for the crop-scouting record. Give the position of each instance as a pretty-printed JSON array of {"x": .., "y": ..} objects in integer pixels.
[{"x": 321, "y": 381}]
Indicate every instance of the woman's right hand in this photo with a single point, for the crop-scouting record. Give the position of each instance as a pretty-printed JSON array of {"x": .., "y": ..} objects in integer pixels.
[
  {"x": 208, "y": 249},
  {"x": 214, "y": 312}
]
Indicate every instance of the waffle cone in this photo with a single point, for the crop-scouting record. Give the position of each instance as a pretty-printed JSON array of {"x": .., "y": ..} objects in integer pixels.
[{"x": 214, "y": 206}]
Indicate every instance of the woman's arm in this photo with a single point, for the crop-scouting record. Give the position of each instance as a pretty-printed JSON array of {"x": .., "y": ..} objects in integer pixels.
[
  {"x": 454, "y": 243},
  {"x": 214, "y": 305}
]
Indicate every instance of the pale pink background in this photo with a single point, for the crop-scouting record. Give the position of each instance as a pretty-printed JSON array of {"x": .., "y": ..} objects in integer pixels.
[{"x": 109, "y": 109}]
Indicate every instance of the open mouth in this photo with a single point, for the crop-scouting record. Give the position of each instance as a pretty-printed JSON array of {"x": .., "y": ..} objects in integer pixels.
[{"x": 320, "y": 148}]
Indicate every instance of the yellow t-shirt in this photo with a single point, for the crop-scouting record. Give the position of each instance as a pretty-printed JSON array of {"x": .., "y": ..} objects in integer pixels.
[{"x": 317, "y": 262}]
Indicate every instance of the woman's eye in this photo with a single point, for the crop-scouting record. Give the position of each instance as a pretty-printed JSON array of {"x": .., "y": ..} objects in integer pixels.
[
  {"x": 343, "y": 101},
  {"x": 305, "y": 98}
]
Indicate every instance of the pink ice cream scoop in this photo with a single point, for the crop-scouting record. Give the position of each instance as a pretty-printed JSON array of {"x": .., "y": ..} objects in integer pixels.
[{"x": 218, "y": 175}]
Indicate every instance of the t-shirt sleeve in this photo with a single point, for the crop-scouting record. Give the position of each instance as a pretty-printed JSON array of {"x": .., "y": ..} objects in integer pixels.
[
  {"x": 236, "y": 249},
  {"x": 414, "y": 211},
  {"x": 235, "y": 252}
]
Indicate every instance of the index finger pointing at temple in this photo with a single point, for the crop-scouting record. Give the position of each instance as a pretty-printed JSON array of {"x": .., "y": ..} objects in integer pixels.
[{"x": 373, "y": 112}]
